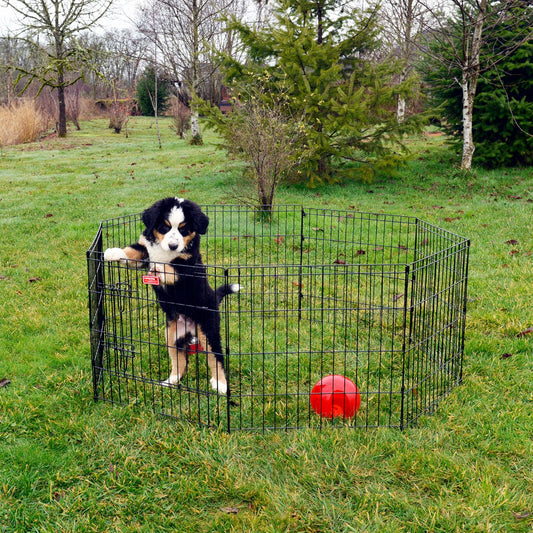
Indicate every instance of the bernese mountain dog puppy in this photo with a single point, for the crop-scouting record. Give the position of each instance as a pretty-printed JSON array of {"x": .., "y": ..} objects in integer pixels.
[{"x": 170, "y": 248}]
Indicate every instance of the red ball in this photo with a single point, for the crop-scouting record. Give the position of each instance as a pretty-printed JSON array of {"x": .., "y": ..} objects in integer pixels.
[{"x": 335, "y": 396}]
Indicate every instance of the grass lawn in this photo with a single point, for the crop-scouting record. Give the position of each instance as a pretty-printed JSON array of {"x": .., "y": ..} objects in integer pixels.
[{"x": 70, "y": 465}]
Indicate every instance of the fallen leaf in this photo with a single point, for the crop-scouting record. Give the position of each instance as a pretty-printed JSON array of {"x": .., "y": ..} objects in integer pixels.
[
  {"x": 229, "y": 510},
  {"x": 339, "y": 262},
  {"x": 525, "y": 332},
  {"x": 279, "y": 239},
  {"x": 402, "y": 247},
  {"x": 514, "y": 252},
  {"x": 424, "y": 242},
  {"x": 318, "y": 229},
  {"x": 296, "y": 284},
  {"x": 511, "y": 241},
  {"x": 120, "y": 205},
  {"x": 360, "y": 252},
  {"x": 33, "y": 280},
  {"x": 397, "y": 297},
  {"x": 522, "y": 515},
  {"x": 48, "y": 215},
  {"x": 506, "y": 355},
  {"x": 4, "y": 383}
]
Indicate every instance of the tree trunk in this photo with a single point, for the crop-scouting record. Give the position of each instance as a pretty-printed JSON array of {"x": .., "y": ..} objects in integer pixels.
[
  {"x": 468, "y": 113},
  {"x": 195, "y": 123},
  {"x": 62, "y": 120},
  {"x": 469, "y": 81},
  {"x": 401, "y": 104},
  {"x": 196, "y": 134},
  {"x": 62, "y": 108},
  {"x": 400, "y": 110}
]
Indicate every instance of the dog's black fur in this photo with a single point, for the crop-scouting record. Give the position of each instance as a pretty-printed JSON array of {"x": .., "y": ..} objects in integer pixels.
[{"x": 170, "y": 248}]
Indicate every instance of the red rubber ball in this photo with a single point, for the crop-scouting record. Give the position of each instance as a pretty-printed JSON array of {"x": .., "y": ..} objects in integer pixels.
[{"x": 335, "y": 396}]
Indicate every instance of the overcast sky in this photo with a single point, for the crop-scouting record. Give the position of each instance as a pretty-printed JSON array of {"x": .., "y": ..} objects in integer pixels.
[{"x": 123, "y": 11}]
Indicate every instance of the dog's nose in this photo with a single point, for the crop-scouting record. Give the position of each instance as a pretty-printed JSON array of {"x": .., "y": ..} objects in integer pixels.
[{"x": 173, "y": 246}]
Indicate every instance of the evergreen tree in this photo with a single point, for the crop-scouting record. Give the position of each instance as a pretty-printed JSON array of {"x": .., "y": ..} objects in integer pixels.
[
  {"x": 503, "y": 112},
  {"x": 503, "y": 107},
  {"x": 146, "y": 93},
  {"x": 319, "y": 57}
]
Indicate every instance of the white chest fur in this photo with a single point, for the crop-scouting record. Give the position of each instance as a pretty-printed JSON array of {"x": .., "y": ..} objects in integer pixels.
[{"x": 156, "y": 252}]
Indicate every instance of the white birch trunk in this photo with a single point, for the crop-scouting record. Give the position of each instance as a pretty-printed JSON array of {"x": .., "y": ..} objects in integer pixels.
[
  {"x": 469, "y": 81},
  {"x": 400, "y": 111},
  {"x": 401, "y": 104},
  {"x": 468, "y": 114},
  {"x": 195, "y": 124}
]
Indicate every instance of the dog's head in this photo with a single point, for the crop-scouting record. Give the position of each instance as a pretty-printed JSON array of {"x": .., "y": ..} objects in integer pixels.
[{"x": 175, "y": 224}]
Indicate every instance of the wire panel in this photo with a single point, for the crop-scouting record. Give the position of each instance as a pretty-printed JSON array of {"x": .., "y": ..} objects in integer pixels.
[{"x": 379, "y": 299}]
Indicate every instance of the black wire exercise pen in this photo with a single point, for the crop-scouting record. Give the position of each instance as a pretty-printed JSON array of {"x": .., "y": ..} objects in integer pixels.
[{"x": 379, "y": 299}]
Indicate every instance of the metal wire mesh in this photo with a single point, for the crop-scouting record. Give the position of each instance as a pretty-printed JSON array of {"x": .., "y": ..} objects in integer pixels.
[{"x": 380, "y": 299}]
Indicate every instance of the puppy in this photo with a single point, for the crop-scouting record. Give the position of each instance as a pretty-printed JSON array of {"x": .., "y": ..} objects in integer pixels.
[{"x": 170, "y": 248}]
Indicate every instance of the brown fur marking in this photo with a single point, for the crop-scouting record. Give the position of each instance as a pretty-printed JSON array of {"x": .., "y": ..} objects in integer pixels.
[
  {"x": 178, "y": 356},
  {"x": 217, "y": 371},
  {"x": 188, "y": 238}
]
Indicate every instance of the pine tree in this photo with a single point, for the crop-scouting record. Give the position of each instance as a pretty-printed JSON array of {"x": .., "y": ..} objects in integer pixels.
[
  {"x": 502, "y": 117},
  {"x": 503, "y": 126},
  {"x": 320, "y": 59},
  {"x": 146, "y": 93}
]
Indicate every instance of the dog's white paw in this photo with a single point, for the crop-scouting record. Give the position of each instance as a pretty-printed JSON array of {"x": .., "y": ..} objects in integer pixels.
[
  {"x": 172, "y": 380},
  {"x": 115, "y": 254},
  {"x": 235, "y": 287},
  {"x": 221, "y": 388}
]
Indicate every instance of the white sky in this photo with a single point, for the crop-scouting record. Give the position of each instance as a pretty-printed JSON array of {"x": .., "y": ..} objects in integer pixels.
[{"x": 122, "y": 12}]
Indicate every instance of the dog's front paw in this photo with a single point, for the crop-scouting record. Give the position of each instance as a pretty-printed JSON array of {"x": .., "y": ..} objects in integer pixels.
[
  {"x": 115, "y": 254},
  {"x": 221, "y": 388},
  {"x": 173, "y": 379}
]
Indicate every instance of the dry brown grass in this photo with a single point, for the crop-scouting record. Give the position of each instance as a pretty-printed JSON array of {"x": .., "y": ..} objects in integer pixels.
[{"x": 22, "y": 122}]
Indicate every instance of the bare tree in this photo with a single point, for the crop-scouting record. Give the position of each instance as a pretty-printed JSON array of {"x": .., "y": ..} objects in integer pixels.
[
  {"x": 186, "y": 33},
  {"x": 266, "y": 136},
  {"x": 116, "y": 58},
  {"x": 464, "y": 34},
  {"x": 404, "y": 22},
  {"x": 52, "y": 25}
]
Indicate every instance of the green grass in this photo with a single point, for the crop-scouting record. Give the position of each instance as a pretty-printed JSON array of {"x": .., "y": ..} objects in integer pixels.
[{"x": 69, "y": 465}]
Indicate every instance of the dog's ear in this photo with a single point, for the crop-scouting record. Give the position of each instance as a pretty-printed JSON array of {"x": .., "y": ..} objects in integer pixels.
[
  {"x": 149, "y": 216},
  {"x": 195, "y": 216}
]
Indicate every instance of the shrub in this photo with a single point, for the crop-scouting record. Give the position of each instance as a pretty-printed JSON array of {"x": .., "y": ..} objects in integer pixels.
[
  {"x": 119, "y": 115},
  {"x": 21, "y": 123},
  {"x": 264, "y": 135},
  {"x": 181, "y": 117}
]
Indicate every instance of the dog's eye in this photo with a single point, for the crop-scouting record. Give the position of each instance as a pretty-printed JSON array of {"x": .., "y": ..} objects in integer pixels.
[
  {"x": 164, "y": 228},
  {"x": 183, "y": 228}
]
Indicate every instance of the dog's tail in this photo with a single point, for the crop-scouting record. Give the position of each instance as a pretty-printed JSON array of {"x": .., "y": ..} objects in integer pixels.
[{"x": 224, "y": 290}]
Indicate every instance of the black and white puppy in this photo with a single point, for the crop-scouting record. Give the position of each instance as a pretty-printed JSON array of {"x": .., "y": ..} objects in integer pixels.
[{"x": 170, "y": 248}]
